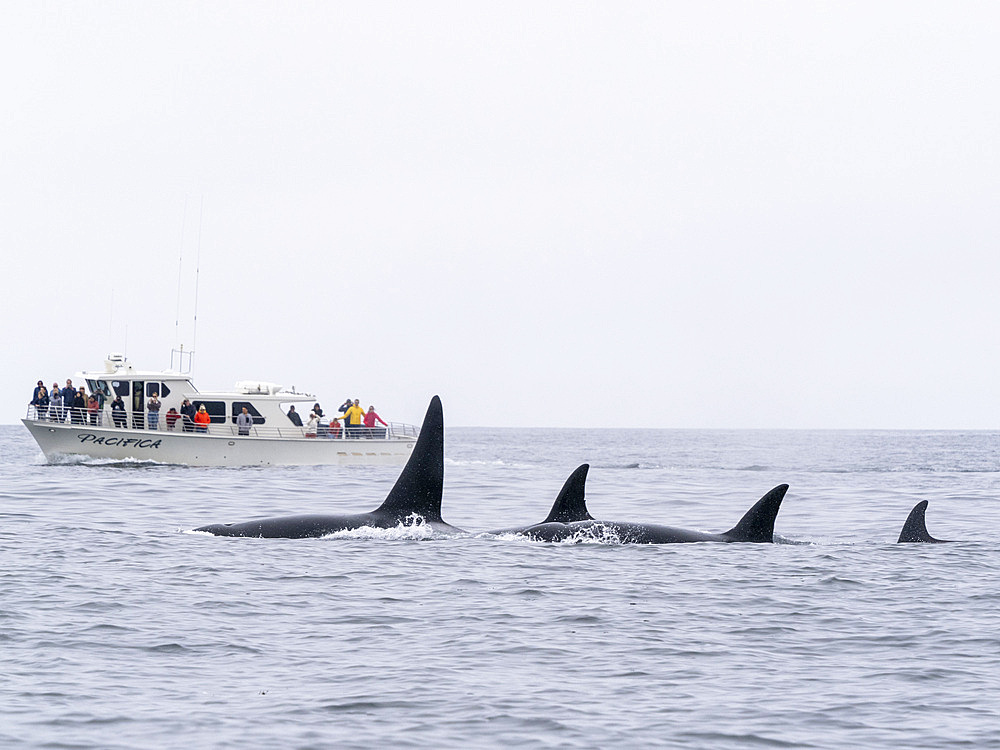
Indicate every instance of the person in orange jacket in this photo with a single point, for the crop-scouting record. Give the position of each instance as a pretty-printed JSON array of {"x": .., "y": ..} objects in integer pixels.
[{"x": 201, "y": 420}]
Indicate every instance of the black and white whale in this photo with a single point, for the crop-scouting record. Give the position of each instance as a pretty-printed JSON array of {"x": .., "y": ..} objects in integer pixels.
[
  {"x": 915, "y": 528},
  {"x": 569, "y": 518},
  {"x": 414, "y": 499}
]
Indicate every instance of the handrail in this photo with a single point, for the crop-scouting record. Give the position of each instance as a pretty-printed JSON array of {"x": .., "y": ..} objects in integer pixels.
[{"x": 118, "y": 419}]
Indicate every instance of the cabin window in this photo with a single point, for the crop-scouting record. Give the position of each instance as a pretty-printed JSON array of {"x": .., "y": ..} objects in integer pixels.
[
  {"x": 216, "y": 410},
  {"x": 160, "y": 389},
  {"x": 120, "y": 387},
  {"x": 99, "y": 386},
  {"x": 238, "y": 409}
]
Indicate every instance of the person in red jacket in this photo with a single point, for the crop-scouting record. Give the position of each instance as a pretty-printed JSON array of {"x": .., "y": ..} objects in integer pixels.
[
  {"x": 93, "y": 409},
  {"x": 370, "y": 418}
]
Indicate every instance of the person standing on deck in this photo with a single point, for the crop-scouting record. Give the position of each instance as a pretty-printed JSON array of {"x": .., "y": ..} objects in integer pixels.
[
  {"x": 99, "y": 395},
  {"x": 370, "y": 418},
  {"x": 354, "y": 418},
  {"x": 79, "y": 407},
  {"x": 318, "y": 411},
  {"x": 202, "y": 419},
  {"x": 311, "y": 425},
  {"x": 153, "y": 408},
  {"x": 69, "y": 396},
  {"x": 243, "y": 422},
  {"x": 187, "y": 416},
  {"x": 93, "y": 409},
  {"x": 344, "y": 407},
  {"x": 118, "y": 412},
  {"x": 55, "y": 403},
  {"x": 40, "y": 400}
]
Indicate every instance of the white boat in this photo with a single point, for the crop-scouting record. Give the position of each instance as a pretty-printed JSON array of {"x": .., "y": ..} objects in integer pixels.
[{"x": 272, "y": 439}]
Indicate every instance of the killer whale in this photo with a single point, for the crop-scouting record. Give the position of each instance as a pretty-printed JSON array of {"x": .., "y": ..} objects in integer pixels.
[
  {"x": 417, "y": 493},
  {"x": 570, "y": 518},
  {"x": 915, "y": 528}
]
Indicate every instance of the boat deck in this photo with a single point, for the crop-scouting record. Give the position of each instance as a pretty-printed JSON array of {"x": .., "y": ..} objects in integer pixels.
[{"x": 129, "y": 422}]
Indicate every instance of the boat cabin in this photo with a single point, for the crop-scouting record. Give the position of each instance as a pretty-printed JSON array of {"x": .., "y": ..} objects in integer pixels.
[{"x": 267, "y": 403}]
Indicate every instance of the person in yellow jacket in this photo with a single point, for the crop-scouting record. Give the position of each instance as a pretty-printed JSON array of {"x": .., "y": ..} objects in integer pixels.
[{"x": 354, "y": 417}]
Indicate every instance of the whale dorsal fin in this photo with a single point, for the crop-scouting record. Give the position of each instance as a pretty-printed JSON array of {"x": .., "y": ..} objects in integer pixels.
[
  {"x": 757, "y": 525},
  {"x": 570, "y": 504},
  {"x": 421, "y": 482},
  {"x": 915, "y": 528}
]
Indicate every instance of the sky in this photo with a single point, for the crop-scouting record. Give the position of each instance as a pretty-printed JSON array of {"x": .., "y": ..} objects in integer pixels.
[{"x": 559, "y": 214}]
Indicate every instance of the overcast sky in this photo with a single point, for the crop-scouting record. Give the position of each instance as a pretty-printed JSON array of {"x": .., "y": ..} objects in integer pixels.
[{"x": 662, "y": 214}]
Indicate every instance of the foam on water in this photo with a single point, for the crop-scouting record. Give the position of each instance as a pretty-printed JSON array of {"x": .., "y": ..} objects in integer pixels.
[{"x": 412, "y": 528}]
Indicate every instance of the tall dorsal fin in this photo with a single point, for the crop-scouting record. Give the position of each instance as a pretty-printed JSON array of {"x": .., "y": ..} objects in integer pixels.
[
  {"x": 915, "y": 528},
  {"x": 421, "y": 482},
  {"x": 757, "y": 525},
  {"x": 570, "y": 504}
]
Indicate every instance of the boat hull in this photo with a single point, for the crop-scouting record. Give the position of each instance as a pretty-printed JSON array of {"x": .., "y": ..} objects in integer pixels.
[{"x": 198, "y": 449}]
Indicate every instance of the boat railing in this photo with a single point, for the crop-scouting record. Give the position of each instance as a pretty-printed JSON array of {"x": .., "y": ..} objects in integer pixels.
[{"x": 118, "y": 419}]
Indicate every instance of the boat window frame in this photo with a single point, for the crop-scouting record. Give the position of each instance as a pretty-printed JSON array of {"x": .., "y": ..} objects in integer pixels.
[
  {"x": 256, "y": 416},
  {"x": 162, "y": 390},
  {"x": 99, "y": 386},
  {"x": 217, "y": 415}
]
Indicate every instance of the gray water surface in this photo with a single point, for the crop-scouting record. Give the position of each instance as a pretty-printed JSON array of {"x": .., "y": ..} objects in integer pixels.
[{"x": 119, "y": 628}]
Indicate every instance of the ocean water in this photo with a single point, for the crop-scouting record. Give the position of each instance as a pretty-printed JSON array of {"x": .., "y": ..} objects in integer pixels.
[{"x": 119, "y": 628}]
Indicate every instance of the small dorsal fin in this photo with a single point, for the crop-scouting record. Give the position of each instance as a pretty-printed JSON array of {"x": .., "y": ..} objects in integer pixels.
[
  {"x": 570, "y": 504},
  {"x": 421, "y": 482},
  {"x": 757, "y": 524},
  {"x": 915, "y": 528}
]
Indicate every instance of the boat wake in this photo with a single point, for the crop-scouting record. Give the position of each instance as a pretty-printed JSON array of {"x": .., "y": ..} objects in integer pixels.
[{"x": 60, "y": 459}]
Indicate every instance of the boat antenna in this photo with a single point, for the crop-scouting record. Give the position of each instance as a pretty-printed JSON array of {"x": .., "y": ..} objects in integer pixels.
[
  {"x": 180, "y": 265},
  {"x": 111, "y": 320},
  {"x": 197, "y": 273}
]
